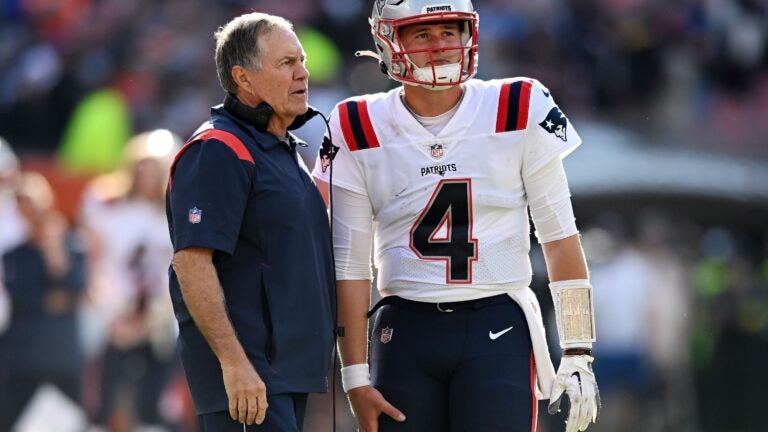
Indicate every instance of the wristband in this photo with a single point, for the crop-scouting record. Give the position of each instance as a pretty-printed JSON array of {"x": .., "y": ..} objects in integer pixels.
[
  {"x": 574, "y": 313},
  {"x": 577, "y": 351},
  {"x": 353, "y": 376}
]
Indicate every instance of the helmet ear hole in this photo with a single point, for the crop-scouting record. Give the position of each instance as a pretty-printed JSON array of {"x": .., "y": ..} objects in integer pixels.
[{"x": 383, "y": 67}]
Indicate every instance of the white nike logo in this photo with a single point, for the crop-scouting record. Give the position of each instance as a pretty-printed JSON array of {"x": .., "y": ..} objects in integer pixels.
[{"x": 495, "y": 336}]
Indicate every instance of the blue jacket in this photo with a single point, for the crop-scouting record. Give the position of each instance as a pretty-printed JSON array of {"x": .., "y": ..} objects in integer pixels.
[{"x": 252, "y": 202}]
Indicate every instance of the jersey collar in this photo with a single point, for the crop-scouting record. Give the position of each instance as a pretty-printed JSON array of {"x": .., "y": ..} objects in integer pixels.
[{"x": 461, "y": 119}]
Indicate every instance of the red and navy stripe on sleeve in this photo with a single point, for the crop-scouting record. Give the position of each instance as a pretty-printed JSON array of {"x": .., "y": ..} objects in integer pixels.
[
  {"x": 229, "y": 139},
  {"x": 356, "y": 125},
  {"x": 514, "y": 104}
]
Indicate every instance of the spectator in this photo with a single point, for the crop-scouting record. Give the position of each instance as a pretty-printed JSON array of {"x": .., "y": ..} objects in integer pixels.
[
  {"x": 125, "y": 215},
  {"x": 12, "y": 228},
  {"x": 44, "y": 277}
]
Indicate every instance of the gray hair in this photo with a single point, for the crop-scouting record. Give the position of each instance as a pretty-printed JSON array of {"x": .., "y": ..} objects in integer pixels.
[{"x": 237, "y": 44}]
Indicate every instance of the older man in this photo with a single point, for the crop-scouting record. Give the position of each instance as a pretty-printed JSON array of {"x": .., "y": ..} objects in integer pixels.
[{"x": 252, "y": 275}]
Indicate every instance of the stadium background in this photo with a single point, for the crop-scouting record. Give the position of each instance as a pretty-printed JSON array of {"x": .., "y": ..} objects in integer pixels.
[{"x": 670, "y": 186}]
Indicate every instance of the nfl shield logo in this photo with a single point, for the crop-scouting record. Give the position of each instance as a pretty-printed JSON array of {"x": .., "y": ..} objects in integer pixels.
[
  {"x": 436, "y": 150},
  {"x": 195, "y": 214},
  {"x": 386, "y": 334}
]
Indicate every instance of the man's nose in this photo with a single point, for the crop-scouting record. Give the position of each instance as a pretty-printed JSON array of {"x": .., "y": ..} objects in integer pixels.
[
  {"x": 301, "y": 72},
  {"x": 439, "y": 43}
]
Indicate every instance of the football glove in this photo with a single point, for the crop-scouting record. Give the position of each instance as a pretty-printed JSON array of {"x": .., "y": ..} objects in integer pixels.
[{"x": 576, "y": 379}]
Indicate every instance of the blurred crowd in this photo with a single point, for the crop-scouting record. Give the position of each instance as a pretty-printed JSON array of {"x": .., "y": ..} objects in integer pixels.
[
  {"x": 682, "y": 321},
  {"x": 682, "y": 305},
  {"x": 685, "y": 72},
  {"x": 87, "y": 302}
]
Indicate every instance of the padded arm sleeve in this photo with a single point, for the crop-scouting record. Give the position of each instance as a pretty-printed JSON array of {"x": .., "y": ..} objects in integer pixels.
[
  {"x": 550, "y": 202},
  {"x": 352, "y": 234}
]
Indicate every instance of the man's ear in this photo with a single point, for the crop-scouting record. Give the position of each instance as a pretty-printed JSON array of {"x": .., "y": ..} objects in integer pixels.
[{"x": 240, "y": 76}]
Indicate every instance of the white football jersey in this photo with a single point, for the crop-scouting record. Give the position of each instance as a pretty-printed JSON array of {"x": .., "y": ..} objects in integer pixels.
[{"x": 449, "y": 210}]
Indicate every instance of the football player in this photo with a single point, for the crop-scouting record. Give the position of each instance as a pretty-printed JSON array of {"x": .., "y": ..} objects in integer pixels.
[{"x": 441, "y": 174}]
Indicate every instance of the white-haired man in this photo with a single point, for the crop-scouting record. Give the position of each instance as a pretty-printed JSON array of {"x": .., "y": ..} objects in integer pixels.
[{"x": 252, "y": 274}]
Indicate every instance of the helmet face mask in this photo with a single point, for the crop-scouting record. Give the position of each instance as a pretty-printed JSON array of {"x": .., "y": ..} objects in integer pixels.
[{"x": 389, "y": 17}]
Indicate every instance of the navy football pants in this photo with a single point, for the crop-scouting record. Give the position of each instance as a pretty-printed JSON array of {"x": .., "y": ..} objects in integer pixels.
[{"x": 444, "y": 371}]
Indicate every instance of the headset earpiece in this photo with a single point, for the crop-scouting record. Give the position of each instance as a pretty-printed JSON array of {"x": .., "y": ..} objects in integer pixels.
[{"x": 257, "y": 116}]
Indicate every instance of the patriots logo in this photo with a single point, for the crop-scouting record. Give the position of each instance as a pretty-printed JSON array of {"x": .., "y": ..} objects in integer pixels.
[
  {"x": 327, "y": 153},
  {"x": 381, "y": 3},
  {"x": 556, "y": 123},
  {"x": 441, "y": 8},
  {"x": 380, "y": 6}
]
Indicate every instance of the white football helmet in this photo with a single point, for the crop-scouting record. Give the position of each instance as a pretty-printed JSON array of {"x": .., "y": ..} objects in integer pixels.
[{"x": 389, "y": 16}]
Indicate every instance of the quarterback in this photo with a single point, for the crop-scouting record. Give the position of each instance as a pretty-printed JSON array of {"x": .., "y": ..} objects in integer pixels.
[{"x": 438, "y": 178}]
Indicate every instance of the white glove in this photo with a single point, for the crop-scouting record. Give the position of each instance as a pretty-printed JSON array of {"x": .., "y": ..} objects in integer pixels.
[{"x": 576, "y": 379}]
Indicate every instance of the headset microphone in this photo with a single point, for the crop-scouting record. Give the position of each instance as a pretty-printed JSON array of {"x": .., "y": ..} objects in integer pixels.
[{"x": 328, "y": 152}]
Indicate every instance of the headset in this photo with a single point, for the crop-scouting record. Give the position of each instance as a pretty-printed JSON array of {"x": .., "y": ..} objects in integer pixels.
[{"x": 259, "y": 115}]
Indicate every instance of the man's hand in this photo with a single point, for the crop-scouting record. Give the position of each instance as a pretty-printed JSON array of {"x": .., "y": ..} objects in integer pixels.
[
  {"x": 576, "y": 379},
  {"x": 204, "y": 297},
  {"x": 246, "y": 392},
  {"x": 367, "y": 404}
]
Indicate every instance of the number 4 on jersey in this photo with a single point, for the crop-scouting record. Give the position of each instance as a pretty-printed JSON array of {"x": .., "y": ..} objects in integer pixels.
[{"x": 443, "y": 230}]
